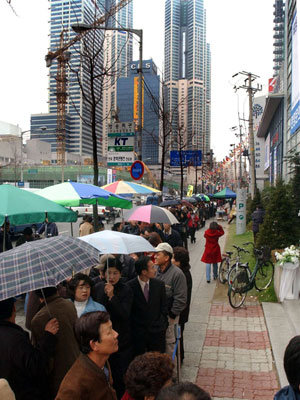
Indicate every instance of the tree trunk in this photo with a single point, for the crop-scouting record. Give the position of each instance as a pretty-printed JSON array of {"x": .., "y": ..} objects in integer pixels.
[
  {"x": 181, "y": 174},
  {"x": 95, "y": 164}
]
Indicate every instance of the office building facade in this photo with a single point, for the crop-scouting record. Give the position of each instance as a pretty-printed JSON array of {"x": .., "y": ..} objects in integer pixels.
[
  {"x": 127, "y": 103},
  {"x": 187, "y": 72}
]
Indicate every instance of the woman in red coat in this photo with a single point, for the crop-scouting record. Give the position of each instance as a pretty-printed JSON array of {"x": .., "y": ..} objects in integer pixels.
[{"x": 212, "y": 252}]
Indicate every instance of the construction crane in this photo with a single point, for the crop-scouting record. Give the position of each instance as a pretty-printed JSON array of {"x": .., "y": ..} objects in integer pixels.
[{"x": 62, "y": 56}]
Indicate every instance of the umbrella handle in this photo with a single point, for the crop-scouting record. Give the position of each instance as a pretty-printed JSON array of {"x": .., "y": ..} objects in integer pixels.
[{"x": 46, "y": 305}]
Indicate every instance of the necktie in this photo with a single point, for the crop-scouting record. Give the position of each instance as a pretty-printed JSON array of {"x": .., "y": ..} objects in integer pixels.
[{"x": 146, "y": 291}]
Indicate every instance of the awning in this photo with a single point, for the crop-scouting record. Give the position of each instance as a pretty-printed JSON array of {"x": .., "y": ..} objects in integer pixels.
[{"x": 271, "y": 106}]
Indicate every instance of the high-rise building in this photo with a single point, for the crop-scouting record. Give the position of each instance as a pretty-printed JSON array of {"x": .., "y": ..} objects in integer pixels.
[
  {"x": 187, "y": 72},
  {"x": 64, "y": 14},
  {"x": 117, "y": 57},
  {"x": 279, "y": 9},
  {"x": 127, "y": 103}
]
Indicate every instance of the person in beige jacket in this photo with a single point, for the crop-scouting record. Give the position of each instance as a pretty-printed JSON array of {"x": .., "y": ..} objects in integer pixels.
[
  {"x": 86, "y": 228},
  {"x": 5, "y": 391}
]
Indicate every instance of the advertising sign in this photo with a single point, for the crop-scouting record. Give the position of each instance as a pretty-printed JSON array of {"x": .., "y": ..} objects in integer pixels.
[
  {"x": 241, "y": 198},
  {"x": 120, "y": 158},
  {"x": 272, "y": 82},
  {"x": 267, "y": 152},
  {"x": 136, "y": 100},
  {"x": 120, "y": 146},
  {"x": 190, "y": 191},
  {"x": 295, "y": 106},
  {"x": 189, "y": 158},
  {"x": 109, "y": 176}
]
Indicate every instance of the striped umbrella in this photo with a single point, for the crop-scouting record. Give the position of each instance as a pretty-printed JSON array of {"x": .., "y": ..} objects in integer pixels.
[
  {"x": 151, "y": 214},
  {"x": 124, "y": 187}
]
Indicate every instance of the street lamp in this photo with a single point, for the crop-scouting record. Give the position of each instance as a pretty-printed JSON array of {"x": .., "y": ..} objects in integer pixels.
[{"x": 80, "y": 28}]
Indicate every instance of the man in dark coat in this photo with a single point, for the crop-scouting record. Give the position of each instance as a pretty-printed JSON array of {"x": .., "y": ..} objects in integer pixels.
[
  {"x": 67, "y": 348},
  {"x": 8, "y": 244},
  {"x": 257, "y": 218},
  {"x": 49, "y": 228},
  {"x": 149, "y": 316},
  {"x": 117, "y": 298},
  {"x": 21, "y": 364},
  {"x": 172, "y": 236},
  {"x": 89, "y": 377}
]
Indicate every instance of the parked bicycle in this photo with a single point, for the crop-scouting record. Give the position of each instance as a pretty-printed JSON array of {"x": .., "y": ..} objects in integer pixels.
[
  {"x": 244, "y": 280},
  {"x": 229, "y": 264}
]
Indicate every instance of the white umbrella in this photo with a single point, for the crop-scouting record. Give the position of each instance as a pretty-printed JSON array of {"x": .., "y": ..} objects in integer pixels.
[{"x": 112, "y": 242}]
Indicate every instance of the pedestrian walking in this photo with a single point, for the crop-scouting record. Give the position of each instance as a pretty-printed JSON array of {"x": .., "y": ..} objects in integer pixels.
[
  {"x": 257, "y": 218},
  {"x": 212, "y": 251},
  {"x": 193, "y": 220},
  {"x": 86, "y": 228},
  {"x": 49, "y": 228}
]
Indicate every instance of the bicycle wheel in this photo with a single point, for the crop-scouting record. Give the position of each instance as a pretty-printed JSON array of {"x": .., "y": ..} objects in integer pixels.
[
  {"x": 223, "y": 270},
  {"x": 264, "y": 276},
  {"x": 234, "y": 270},
  {"x": 236, "y": 296}
]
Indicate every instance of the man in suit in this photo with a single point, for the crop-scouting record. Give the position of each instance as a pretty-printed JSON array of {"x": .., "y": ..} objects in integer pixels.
[{"x": 149, "y": 316}]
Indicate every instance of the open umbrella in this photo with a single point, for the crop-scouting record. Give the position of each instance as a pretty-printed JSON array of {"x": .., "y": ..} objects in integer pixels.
[
  {"x": 151, "y": 214},
  {"x": 190, "y": 200},
  {"x": 43, "y": 263},
  {"x": 169, "y": 203},
  {"x": 72, "y": 194},
  {"x": 186, "y": 203},
  {"x": 202, "y": 197},
  {"x": 225, "y": 194},
  {"x": 22, "y": 207},
  {"x": 123, "y": 187},
  {"x": 111, "y": 242}
]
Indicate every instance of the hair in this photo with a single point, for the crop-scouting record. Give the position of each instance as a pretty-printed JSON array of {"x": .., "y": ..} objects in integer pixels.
[
  {"x": 213, "y": 225},
  {"x": 154, "y": 239},
  {"x": 89, "y": 218},
  {"x": 6, "y": 308},
  {"x": 116, "y": 226},
  {"x": 87, "y": 329},
  {"x": 74, "y": 282},
  {"x": 183, "y": 391},
  {"x": 45, "y": 292},
  {"x": 182, "y": 255},
  {"x": 147, "y": 374},
  {"x": 291, "y": 362},
  {"x": 28, "y": 231},
  {"x": 142, "y": 264},
  {"x": 113, "y": 263}
]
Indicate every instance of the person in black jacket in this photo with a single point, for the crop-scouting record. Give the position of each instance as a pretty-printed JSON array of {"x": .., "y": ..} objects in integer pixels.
[
  {"x": 181, "y": 259},
  {"x": 257, "y": 218},
  {"x": 7, "y": 243},
  {"x": 117, "y": 298},
  {"x": 21, "y": 364},
  {"x": 149, "y": 316},
  {"x": 172, "y": 236}
]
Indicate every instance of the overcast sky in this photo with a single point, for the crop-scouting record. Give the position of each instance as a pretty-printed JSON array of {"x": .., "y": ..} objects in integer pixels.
[{"x": 239, "y": 31}]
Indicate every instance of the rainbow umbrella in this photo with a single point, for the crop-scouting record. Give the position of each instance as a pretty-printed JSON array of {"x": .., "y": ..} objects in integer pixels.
[
  {"x": 73, "y": 194},
  {"x": 124, "y": 187}
]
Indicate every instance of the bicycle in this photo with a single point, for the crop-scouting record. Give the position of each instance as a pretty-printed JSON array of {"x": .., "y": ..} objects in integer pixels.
[
  {"x": 244, "y": 280},
  {"x": 224, "y": 267},
  {"x": 236, "y": 266}
]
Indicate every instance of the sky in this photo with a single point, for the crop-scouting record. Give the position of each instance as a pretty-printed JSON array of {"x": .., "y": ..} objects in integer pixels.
[{"x": 239, "y": 31}]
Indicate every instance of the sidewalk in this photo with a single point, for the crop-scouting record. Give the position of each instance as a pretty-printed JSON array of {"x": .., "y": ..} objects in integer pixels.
[{"x": 229, "y": 351}]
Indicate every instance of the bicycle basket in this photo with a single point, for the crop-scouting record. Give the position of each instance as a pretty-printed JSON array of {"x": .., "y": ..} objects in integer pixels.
[
  {"x": 242, "y": 277},
  {"x": 264, "y": 253}
]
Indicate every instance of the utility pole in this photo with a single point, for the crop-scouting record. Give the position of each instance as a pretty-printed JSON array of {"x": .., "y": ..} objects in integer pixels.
[{"x": 251, "y": 92}]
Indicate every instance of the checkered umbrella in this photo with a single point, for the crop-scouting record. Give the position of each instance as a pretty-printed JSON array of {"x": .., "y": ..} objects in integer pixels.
[{"x": 43, "y": 263}]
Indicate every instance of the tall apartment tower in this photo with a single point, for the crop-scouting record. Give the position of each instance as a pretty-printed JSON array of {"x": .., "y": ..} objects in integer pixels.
[
  {"x": 279, "y": 11},
  {"x": 117, "y": 57},
  {"x": 187, "y": 72}
]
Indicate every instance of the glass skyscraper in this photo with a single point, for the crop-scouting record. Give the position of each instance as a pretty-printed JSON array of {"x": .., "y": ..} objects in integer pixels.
[{"x": 187, "y": 72}]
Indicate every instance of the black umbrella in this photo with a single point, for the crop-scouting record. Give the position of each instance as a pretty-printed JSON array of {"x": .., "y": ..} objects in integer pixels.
[
  {"x": 190, "y": 200},
  {"x": 169, "y": 203}
]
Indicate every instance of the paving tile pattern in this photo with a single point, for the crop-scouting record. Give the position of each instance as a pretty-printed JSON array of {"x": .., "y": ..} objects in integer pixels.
[{"x": 236, "y": 360}]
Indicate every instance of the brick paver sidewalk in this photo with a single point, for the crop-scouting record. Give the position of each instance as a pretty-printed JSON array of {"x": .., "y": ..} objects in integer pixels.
[{"x": 236, "y": 360}]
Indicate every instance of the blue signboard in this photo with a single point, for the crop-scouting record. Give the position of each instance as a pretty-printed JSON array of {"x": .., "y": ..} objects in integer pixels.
[
  {"x": 137, "y": 170},
  {"x": 189, "y": 158}
]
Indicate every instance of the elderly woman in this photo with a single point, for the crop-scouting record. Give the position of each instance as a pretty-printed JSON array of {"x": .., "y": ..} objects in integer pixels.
[
  {"x": 79, "y": 289},
  {"x": 147, "y": 375},
  {"x": 181, "y": 259}
]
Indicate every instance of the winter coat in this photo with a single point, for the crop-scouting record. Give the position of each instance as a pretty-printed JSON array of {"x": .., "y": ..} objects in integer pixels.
[
  {"x": 212, "y": 252},
  {"x": 173, "y": 238},
  {"x": 86, "y": 381},
  {"x": 257, "y": 219},
  {"x": 67, "y": 349},
  {"x": 49, "y": 228},
  {"x": 184, "y": 315},
  {"x": 193, "y": 220},
  {"x": 119, "y": 308},
  {"x": 91, "y": 306},
  {"x": 21, "y": 364},
  {"x": 176, "y": 289},
  {"x": 287, "y": 393},
  {"x": 86, "y": 229}
]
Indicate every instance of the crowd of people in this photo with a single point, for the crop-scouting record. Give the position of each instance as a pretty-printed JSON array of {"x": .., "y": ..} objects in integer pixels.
[{"x": 109, "y": 333}]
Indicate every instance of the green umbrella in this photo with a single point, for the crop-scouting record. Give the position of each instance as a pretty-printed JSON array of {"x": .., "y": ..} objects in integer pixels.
[
  {"x": 72, "y": 194},
  {"x": 22, "y": 207}
]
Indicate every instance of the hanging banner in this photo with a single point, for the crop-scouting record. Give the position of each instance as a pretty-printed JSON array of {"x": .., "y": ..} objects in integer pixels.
[
  {"x": 190, "y": 191},
  {"x": 136, "y": 101},
  {"x": 295, "y": 106}
]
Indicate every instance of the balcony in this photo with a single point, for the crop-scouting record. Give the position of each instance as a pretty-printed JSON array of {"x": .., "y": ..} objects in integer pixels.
[{"x": 278, "y": 35}]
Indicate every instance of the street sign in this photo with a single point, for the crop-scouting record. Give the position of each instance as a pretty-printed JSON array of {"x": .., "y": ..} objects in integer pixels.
[
  {"x": 189, "y": 158},
  {"x": 120, "y": 158},
  {"x": 120, "y": 146},
  {"x": 20, "y": 183},
  {"x": 137, "y": 170},
  {"x": 241, "y": 199}
]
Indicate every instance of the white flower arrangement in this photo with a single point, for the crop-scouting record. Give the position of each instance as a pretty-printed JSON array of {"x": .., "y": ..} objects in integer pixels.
[{"x": 289, "y": 255}]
